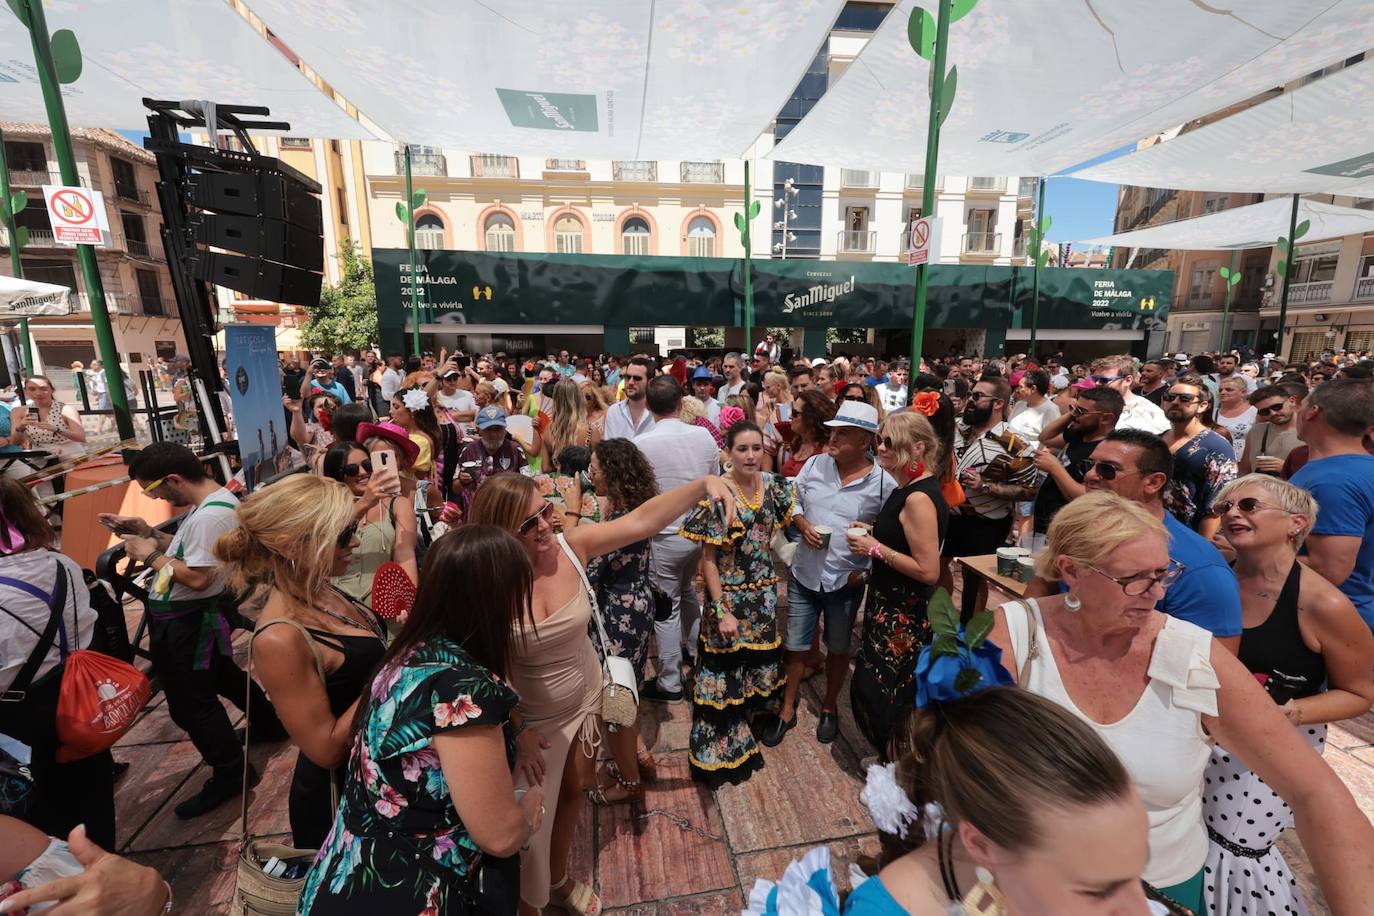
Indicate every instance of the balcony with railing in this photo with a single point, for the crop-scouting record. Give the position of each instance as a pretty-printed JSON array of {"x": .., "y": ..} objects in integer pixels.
[
  {"x": 1364, "y": 288},
  {"x": 858, "y": 178},
  {"x": 703, "y": 172},
  {"x": 125, "y": 191},
  {"x": 634, "y": 170},
  {"x": 1018, "y": 247},
  {"x": 36, "y": 178},
  {"x": 1027, "y": 187},
  {"x": 1203, "y": 299},
  {"x": 988, "y": 244},
  {"x": 565, "y": 165},
  {"x": 984, "y": 184},
  {"x": 1315, "y": 291},
  {"x": 432, "y": 164},
  {"x": 915, "y": 182},
  {"x": 863, "y": 241},
  {"x": 38, "y": 238},
  {"x": 487, "y": 165},
  {"x": 115, "y": 303},
  {"x": 140, "y": 248}
]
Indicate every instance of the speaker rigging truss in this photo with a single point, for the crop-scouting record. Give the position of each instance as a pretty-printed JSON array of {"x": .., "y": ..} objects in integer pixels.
[{"x": 231, "y": 217}]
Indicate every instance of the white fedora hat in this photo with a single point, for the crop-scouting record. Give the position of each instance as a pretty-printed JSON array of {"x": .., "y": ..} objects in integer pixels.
[{"x": 858, "y": 414}]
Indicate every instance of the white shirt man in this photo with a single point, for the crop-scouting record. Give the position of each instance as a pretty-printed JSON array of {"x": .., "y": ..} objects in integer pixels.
[
  {"x": 734, "y": 381},
  {"x": 1139, "y": 413},
  {"x": 1033, "y": 409},
  {"x": 392, "y": 376},
  {"x": 892, "y": 393},
  {"x": 630, "y": 418}
]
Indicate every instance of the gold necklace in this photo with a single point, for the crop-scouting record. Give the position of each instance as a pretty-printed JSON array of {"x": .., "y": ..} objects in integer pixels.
[{"x": 758, "y": 496}]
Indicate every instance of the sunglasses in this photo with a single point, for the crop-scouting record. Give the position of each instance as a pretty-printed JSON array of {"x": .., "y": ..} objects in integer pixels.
[
  {"x": 887, "y": 443},
  {"x": 976, "y": 396},
  {"x": 1185, "y": 398},
  {"x": 1266, "y": 411},
  {"x": 351, "y": 470},
  {"x": 154, "y": 485},
  {"x": 1249, "y": 505},
  {"x": 1104, "y": 470},
  {"x": 1135, "y": 586},
  {"x": 346, "y": 536},
  {"x": 532, "y": 522},
  {"x": 1080, "y": 412},
  {"x": 1100, "y": 380},
  {"x": 850, "y": 396}
]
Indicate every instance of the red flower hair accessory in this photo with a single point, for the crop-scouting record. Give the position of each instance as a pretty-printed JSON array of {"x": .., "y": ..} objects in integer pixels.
[{"x": 927, "y": 402}]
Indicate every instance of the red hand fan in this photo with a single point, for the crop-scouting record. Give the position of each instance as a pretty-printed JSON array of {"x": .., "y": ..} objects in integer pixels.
[{"x": 393, "y": 594}]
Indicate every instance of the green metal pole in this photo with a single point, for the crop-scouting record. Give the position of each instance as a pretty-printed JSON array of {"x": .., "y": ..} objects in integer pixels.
[
  {"x": 66, "y": 163},
  {"x": 1035, "y": 272},
  {"x": 937, "y": 89},
  {"x": 1226, "y": 307},
  {"x": 1287, "y": 274},
  {"x": 16, "y": 264},
  {"x": 748, "y": 281},
  {"x": 414, "y": 280}
]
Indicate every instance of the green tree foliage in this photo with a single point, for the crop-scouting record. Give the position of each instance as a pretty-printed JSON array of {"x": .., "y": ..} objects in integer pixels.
[
  {"x": 345, "y": 321},
  {"x": 835, "y": 336},
  {"x": 713, "y": 337}
]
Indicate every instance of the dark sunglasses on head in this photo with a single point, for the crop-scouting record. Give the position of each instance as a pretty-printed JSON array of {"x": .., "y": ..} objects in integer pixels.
[
  {"x": 1104, "y": 470},
  {"x": 346, "y": 536},
  {"x": 1266, "y": 411},
  {"x": 1100, "y": 380},
  {"x": 1248, "y": 505},
  {"x": 1179, "y": 396},
  {"x": 851, "y": 396},
  {"x": 532, "y": 522},
  {"x": 351, "y": 470}
]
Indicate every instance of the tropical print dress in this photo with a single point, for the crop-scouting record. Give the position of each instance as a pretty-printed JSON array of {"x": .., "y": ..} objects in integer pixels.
[
  {"x": 737, "y": 677},
  {"x": 397, "y": 844},
  {"x": 625, "y": 600}
]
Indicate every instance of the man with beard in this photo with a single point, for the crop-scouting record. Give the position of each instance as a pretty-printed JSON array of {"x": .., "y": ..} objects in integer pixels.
[
  {"x": 996, "y": 471},
  {"x": 1204, "y": 462},
  {"x": 1154, "y": 381},
  {"x": 1065, "y": 447},
  {"x": 1227, "y": 364},
  {"x": 1276, "y": 430},
  {"x": 734, "y": 382},
  {"x": 630, "y": 418}
]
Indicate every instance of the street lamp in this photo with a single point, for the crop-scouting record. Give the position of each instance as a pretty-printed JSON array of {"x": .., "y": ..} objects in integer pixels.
[{"x": 784, "y": 203}]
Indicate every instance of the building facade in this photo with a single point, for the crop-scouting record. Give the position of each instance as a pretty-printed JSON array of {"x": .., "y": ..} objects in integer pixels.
[{"x": 133, "y": 267}]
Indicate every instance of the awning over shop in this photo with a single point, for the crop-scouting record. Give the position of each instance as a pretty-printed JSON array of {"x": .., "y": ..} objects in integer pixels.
[
  {"x": 1318, "y": 138},
  {"x": 164, "y": 49},
  {"x": 599, "y": 79},
  {"x": 27, "y": 297},
  {"x": 1044, "y": 85},
  {"x": 1256, "y": 226}
]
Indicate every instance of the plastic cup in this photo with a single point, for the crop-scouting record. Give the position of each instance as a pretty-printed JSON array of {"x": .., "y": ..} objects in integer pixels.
[
  {"x": 824, "y": 531},
  {"x": 1025, "y": 568},
  {"x": 1006, "y": 561}
]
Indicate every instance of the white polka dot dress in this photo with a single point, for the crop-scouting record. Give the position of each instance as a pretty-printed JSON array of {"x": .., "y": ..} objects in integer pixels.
[{"x": 1245, "y": 874}]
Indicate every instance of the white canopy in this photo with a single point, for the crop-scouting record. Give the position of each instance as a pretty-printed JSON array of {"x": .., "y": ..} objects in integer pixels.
[
  {"x": 1046, "y": 84},
  {"x": 596, "y": 79},
  {"x": 26, "y": 297},
  {"x": 1256, "y": 226},
  {"x": 164, "y": 49},
  {"x": 1319, "y": 137}
]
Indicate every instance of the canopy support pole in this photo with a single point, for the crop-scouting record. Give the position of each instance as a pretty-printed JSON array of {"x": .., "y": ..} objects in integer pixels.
[
  {"x": 1226, "y": 307},
  {"x": 1287, "y": 274},
  {"x": 937, "y": 92},
  {"x": 414, "y": 280},
  {"x": 16, "y": 265},
  {"x": 66, "y": 163},
  {"x": 1035, "y": 271},
  {"x": 748, "y": 241}
]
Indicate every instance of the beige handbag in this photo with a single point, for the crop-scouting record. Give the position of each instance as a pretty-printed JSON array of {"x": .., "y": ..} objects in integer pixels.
[{"x": 257, "y": 893}]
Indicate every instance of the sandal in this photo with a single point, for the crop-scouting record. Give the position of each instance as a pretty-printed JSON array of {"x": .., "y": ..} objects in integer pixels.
[
  {"x": 634, "y": 792},
  {"x": 648, "y": 767},
  {"x": 581, "y": 900}
]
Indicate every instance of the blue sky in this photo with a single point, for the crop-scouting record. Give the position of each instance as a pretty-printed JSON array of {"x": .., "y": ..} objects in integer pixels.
[{"x": 1082, "y": 209}]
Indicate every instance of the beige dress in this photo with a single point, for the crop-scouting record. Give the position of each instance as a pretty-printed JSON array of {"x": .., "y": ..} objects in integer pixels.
[{"x": 558, "y": 677}]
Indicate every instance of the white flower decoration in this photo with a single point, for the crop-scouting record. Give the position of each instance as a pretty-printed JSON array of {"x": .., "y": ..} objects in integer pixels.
[
  {"x": 415, "y": 399},
  {"x": 888, "y": 804}
]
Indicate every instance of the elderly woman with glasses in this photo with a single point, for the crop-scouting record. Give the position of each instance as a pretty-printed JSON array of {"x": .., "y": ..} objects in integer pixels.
[
  {"x": 1160, "y": 691},
  {"x": 1310, "y": 651}
]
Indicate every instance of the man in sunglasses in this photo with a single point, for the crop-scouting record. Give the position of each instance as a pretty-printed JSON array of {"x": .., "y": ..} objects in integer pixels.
[
  {"x": 1139, "y": 413},
  {"x": 1065, "y": 446},
  {"x": 1204, "y": 461},
  {"x": 1275, "y": 434},
  {"x": 1136, "y": 465},
  {"x": 188, "y": 617},
  {"x": 630, "y": 418}
]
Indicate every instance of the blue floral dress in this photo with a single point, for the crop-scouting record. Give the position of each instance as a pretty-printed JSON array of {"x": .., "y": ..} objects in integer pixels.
[
  {"x": 397, "y": 844},
  {"x": 621, "y": 580},
  {"x": 737, "y": 677}
]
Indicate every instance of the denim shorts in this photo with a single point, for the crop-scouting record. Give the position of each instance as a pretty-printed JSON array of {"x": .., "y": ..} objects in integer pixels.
[{"x": 804, "y": 607}]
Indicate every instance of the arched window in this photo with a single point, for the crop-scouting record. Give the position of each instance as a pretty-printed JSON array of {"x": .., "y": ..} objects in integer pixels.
[
  {"x": 568, "y": 235},
  {"x": 500, "y": 232},
  {"x": 634, "y": 236},
  {"x": 429, "y": 231},
  {"x": 701, "y": 238}
]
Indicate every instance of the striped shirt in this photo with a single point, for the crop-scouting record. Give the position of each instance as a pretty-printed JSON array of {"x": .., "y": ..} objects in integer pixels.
[{"x": 1014, "y": 468}]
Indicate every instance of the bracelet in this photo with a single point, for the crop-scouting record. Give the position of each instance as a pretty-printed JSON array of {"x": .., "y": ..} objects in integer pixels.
[
  {"x": 876, "y": 552},
  {"x": 154, "y": 557},
  {"x": 167, "y": 907}
]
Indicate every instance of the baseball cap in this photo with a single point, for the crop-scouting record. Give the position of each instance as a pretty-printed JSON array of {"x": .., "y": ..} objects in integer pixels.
[
  {"x": 818, "y": 362},
  {"x": 320, "y": 363},
  {"x": 858, "y": 414},
  {"x": 452, "y": 373},
  {"x": 490, "y": 416}
]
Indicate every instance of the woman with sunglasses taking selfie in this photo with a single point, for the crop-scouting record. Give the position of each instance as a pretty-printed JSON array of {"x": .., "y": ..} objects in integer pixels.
[
  {"x": 385, "y": 535},
  {"x": 1160, "y": 690},
  {"x": 293, "y": 536},
  {"x": 1307, "y": 646},
  {"x": 554, "y": 667}
]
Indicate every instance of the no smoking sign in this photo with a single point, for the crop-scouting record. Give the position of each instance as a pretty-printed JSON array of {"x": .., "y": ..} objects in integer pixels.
[{"x": 77, "y": 215}]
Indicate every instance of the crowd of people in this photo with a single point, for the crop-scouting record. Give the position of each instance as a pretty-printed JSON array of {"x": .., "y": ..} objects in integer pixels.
[{"x": 583, "y": 534}]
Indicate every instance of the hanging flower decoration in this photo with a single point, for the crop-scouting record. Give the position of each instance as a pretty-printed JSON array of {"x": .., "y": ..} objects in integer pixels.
[
  {"x": 415, "y": 399},
  {"x": 927, "y": 402}
]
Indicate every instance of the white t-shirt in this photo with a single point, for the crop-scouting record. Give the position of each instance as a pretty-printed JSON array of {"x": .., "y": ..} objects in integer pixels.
[
  {"x": 1142, "y": 413},
  {"x": 459, "y": 400},
  {"x": 1027, "y": 421},
  {"x": 40, "y": 569},
  {"x": 1239, "y": 426},
  {"x": 891, "y": 398},
  {"x": 391, "y": 383},
  {"x": 194, "y": 543}
]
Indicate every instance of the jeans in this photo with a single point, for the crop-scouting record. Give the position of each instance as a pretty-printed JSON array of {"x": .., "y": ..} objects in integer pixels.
[
  {"x": 674, "y": 568},
  {"x": 804, "y": 607}
]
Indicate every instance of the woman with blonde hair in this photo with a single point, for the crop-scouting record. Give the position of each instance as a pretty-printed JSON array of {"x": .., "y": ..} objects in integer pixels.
[
  {"x": 594, "y": 396},
  {"x": 774, "y": 415},
  {"x": 555, "y": 668},
  {"x": 314, "y": 647},
  {"x": 904, "y": 543},
  {"x": 1159, "y": 690},
  {"x": 1307, "y": 646},
  {"x": 568, "y": 423},
  {"x": 694, "y": 414}
]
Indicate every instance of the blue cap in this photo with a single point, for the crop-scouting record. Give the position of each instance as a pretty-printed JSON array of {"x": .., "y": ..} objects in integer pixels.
[
  {"x": 490, "y": 416},
  {"x": 702, "y": 372}
]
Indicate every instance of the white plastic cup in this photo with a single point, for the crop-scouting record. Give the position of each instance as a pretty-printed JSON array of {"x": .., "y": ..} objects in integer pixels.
[{"x": 825, "y": 531}]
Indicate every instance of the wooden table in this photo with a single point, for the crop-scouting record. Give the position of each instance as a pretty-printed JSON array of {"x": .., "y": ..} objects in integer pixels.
[{"x": 985, "y": 567}]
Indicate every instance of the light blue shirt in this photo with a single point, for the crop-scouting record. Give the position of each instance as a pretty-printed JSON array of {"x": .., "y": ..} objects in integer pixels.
[{"x": 824, "y": 502}]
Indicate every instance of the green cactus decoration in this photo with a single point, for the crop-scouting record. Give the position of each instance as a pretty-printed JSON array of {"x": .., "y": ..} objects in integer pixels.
[
  {"x": 1231, "y": 277},
  {"x": 417, "y": 201},
  {"x": 20, "y": 13},
  {"x": 8, "y": 211},
  {"x": 920, "y": 26},
  {"x": 743, "y": 226},
  {"x": 1035, "y": 236},
  {"x": 1286, "y": 247},
  {"x": 66, "y": 56}
]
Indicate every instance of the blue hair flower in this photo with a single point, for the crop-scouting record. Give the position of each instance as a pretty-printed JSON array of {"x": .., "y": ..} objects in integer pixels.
[{"x": 960, "y": 660}]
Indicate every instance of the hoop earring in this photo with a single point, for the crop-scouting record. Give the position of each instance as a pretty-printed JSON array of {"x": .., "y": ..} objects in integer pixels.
[{"x": 1072, "y": 602}]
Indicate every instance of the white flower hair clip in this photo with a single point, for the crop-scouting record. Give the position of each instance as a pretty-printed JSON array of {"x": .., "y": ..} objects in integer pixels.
[
  {"x": 415, "y": 399},
  {"x": 887, "y": 802}
]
